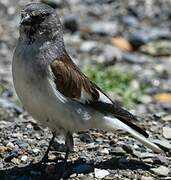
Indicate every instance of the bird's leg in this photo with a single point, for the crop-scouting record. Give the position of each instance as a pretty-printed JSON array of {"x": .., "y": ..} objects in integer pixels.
[
  {"x": 45, "y": 157},
  {"x": 69, "y": 143}
]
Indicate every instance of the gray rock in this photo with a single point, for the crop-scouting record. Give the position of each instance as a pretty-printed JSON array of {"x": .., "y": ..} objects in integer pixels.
[
  {"x": 103, "y": 151},
  {"x": 104, "y": 28},
  {"x": 166, "y": 118},
  {"x": 118, "y": 151},
  {"x": 135, "y": 58},
  {"x": 140, "y": 37},
  {"x": 111, "y": 55},
  {"x": 85, "y": 137},
  {"x": 24, "y": 158},
  {"x": 167, "y": 132},
  {"x": 10, "y": 145},
  {"x": 147, "y": 178},
  {"x": 83, "y": 168},
  {"x": 70, "y": 23},
  {"x": 100, "y": 173},
  {"x": 5, "y": 103},
  {"x": 143, "y": 155},
  {"x": 36, "y": 151},
  {"x": 163, "y": 144},
  {"x": 161, "y": 170},
  {"x": 88, "y": 46}
]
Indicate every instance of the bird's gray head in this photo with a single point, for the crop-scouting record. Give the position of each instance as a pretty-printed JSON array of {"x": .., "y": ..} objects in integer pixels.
[{"x": 40, "y": 22}]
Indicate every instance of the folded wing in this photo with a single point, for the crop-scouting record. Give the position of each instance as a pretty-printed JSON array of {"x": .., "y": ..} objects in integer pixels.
[{"x": 72, "y": 83}]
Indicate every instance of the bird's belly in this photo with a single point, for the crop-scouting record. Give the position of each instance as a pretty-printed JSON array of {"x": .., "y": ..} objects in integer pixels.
[{"x": 45, "y": 105}]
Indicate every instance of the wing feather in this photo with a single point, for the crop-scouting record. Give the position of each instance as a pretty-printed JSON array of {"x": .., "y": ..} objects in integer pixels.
[{"x": 73, "y": 84}]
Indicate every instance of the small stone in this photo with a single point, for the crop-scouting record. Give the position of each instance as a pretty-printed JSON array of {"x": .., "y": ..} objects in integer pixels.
[
  {"x": 134, "y": 58},
  {"x": 29, "y": 126},
  {"x": 73, "y": 175},
  {"x": 104, "y": 28},
  {"x": 166, "y": 118},
  {"x": 160, "y": 160},
  {"x": 111, "y": 55},
  {"x": 104, "y": 151},
  {"x": 88, "y": 46},
  {"x": 71, "y": 23},
  {"x": 143, "y": 36},
  {"x": 10, "y": 145},
  {"x": 83, "y": 168},
  {"x": 118, "y": 151},
  {"x": 11, "y": 10},
  {"x": 121, "y": 43},
  {"x": 52, "y": 157},
  {"x": 100, "y": 173},
  {"x": 143, "y": 155},
  {"x": 10, "y": 157},
  {"x": 24, "y": 158},
  {"x": 15, "y": 161},
  {"x": 161, "y": 170},
  {"x": 3, "y": 149},
  {"x": 163, "y": 144},
  {"x": 148, "y": 160},
  {"x": 17, "y": 135},
  {"x": 36, "y": 151},
  {"x": 147, "y": 178},
  {"x": 167, "y": 132},
  {"x": 85, "y": 137}
]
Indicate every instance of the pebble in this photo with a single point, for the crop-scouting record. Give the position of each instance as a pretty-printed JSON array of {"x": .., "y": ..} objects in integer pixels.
[
  {"x": 118, "y": 151},
  {"x": 147, "y": 178},
  {"x": 111, "y": 55},
  {"x": 83, "y": 168},
  {"x": 5, "y": 103},
  {"x": 134, "y": 58},
  {"x": 142, "y": 36},
  {"x": 10, "y": 145},
  {"x": 16, "y": 161},
  {"x": 104, "y": 151},
  {"x": 36, "y": 151},
  {"x": 100, "y": 173},
  {"x": 143, "y": 155},
  {"x": 166, "y": 118},
  {"x": 85, "y": 137},
  {"x": 161, "y": 170},
  {"x": 88, "y": 46},
  {"x": 167, "y": 132},
  {"x": 163, "y": 143},
  {"x": 24, "y": 158},
  {"x": 104, "y": 28},
  {"x": 3, "y": 149},
  {"x": 71, "y": 23},
  {"x": 160, "y": 160}
]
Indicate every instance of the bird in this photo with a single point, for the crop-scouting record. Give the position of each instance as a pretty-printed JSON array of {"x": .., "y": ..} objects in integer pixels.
[{"x": 54, "y": 90}]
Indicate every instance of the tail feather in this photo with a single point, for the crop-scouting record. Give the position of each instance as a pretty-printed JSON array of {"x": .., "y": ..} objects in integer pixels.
[{"x": 113, "y": 124}]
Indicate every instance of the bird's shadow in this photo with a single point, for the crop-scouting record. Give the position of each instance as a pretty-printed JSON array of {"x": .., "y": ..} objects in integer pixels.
[{"x": 53, "y": 171}]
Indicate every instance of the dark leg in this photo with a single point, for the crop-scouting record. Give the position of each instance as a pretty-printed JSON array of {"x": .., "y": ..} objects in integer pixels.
[
  {"x": 45, "y": 157},
  {"x": 69, "y": 143}
]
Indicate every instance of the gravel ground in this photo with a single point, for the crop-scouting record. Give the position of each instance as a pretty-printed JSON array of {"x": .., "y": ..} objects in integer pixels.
[{"x": 129, "y": 35}]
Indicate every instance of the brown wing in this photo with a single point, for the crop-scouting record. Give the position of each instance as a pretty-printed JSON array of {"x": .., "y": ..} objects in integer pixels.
[{"x": 72, "y": 83}]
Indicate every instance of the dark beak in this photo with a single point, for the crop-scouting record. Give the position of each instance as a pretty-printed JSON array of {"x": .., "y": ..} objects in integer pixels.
[{"x": 26, "y": 20}]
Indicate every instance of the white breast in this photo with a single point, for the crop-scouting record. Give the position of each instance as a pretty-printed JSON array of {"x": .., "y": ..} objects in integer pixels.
[{"x": 41, "y": 99}]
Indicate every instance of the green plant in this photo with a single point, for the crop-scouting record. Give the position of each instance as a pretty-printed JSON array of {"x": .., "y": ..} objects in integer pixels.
[{"x": 118, "y": 81}]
